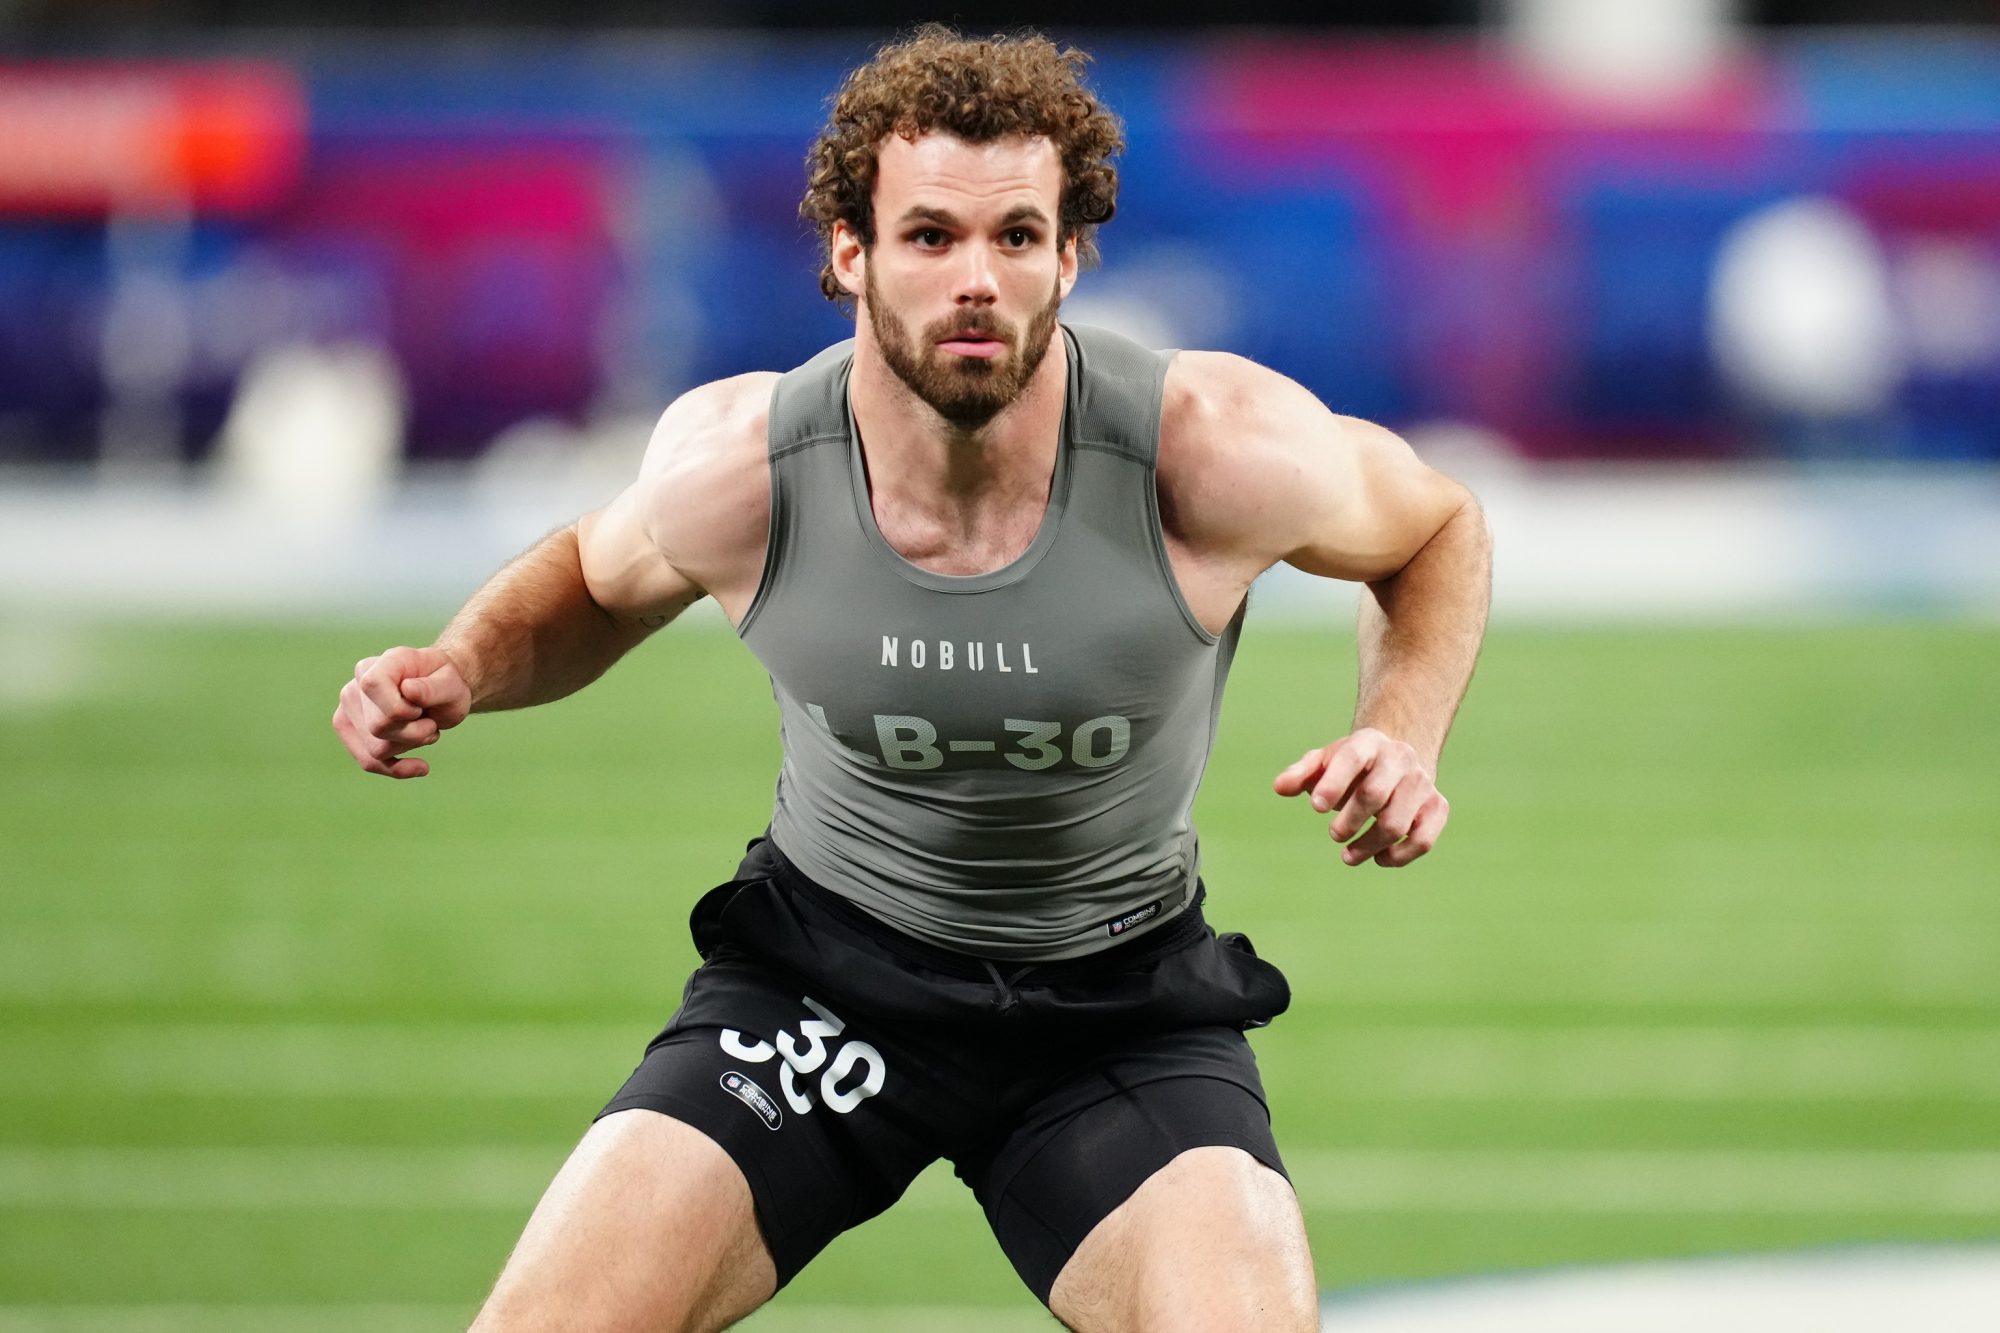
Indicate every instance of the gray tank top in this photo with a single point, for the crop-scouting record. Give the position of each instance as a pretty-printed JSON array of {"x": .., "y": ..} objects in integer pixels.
[{"x": 1003, "y": 763}]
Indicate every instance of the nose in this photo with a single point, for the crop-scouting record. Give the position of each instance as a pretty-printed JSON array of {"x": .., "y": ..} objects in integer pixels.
[{"x": 977, "y": 284}]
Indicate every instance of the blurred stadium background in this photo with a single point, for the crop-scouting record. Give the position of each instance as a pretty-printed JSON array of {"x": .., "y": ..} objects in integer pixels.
[{"x": 311, "y": 314}]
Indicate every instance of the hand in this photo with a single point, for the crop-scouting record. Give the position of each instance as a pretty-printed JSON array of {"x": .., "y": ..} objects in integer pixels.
[
  {"x": 1369, "y": 775},
  {"x": 396, "y": 702}
]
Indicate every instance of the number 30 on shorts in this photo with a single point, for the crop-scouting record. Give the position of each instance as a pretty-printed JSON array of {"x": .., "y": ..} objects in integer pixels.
[{"x": 856, "y": 1065}]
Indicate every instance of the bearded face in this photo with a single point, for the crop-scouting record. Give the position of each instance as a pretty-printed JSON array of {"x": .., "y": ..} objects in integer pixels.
[{"x": 966, "y": 390}]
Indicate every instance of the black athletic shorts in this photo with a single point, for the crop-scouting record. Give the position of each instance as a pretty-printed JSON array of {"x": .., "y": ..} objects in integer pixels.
[{"x": 834, "y": 1058}]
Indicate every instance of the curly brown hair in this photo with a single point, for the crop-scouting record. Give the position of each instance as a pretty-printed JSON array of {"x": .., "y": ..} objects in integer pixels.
[{"x": 979, "y": 90}]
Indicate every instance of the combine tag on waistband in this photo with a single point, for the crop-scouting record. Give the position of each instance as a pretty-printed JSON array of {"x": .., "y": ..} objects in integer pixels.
[{"x": 1119, "y": 925}]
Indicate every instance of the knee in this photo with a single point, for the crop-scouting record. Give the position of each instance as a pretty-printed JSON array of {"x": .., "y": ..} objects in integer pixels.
[
  {"x": 1213, "y": 1243},
  {"x": 1263, "y": 1293}
]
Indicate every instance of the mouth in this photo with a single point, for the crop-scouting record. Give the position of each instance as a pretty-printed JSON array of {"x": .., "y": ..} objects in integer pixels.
[{"x": 974, "y": 343}]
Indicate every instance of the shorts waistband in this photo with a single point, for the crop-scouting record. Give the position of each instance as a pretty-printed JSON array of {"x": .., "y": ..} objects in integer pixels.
[{"x": 1183, "y": 928}]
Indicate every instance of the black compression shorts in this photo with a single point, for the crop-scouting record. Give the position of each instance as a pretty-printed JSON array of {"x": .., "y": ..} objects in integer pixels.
[{"x": 834, "y": 1058}]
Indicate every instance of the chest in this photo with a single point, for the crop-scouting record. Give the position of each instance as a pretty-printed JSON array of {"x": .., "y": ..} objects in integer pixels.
[
  {"x": 978, "y": 540},
  {"x": 962, "y": 540}
]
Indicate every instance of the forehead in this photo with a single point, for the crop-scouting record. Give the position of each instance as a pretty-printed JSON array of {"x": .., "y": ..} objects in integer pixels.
[{"x": 943, "y": 170}]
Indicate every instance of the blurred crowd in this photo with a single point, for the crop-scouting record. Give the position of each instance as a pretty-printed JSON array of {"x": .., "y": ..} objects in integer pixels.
[{"x": 1721, "y": 244}]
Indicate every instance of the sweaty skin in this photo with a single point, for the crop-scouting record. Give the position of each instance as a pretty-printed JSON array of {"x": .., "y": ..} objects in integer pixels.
[{"x": 1253, "y": 471}]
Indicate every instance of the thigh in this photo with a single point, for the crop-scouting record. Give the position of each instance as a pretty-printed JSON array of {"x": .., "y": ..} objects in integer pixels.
[
  {"x": 826, "y": 1119},
  {"x": 1213, "y": 1240},
  {"x": 1116, "y": 1118},
  {"x": 647, "y": 1225}
]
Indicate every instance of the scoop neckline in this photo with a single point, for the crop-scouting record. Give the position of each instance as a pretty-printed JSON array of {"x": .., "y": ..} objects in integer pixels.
[{"x": 1014, "y": 570}]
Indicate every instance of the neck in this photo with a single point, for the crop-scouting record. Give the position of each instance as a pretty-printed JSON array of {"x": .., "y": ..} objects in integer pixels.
[{"x": 917, "y": 454}]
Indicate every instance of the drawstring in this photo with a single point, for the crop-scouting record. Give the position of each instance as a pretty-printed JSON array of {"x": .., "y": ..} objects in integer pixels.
[{"x": 1009, "y": 1001}]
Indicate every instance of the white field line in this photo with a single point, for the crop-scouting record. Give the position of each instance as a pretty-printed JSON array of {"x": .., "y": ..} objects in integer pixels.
[
  {"x": 1749, "y": 1183},
  {"x": 1604, "y": 963},
  {"x": 1908, "y": 1289},
  {"x": 1904, "y": 1289},
  {"x": 462, "y": 1061},
  {"x": 1614, "y": 964},
  {"x": 775, "y": 1318},
  {"x": 1672, "y": 1064},
  {"x": 326, "y": 1060},
  {"x": 258, "y": 1179},
  {"x": 1618, "y": 1181}
]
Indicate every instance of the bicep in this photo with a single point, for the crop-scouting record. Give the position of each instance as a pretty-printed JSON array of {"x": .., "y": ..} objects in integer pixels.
[
  {"x": 1366, "y": 504},
  {"x": 693, "y": 523},
  {"x": 623, "y": 567}
]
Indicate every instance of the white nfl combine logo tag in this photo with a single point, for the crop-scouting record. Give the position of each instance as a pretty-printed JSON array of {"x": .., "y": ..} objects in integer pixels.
[{"x": 754, "y": 1097}]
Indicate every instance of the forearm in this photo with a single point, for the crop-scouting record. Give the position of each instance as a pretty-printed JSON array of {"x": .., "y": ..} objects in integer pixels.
[
  {"x": 1420, "y": 631},
  {"x": 533, "y": 633}
]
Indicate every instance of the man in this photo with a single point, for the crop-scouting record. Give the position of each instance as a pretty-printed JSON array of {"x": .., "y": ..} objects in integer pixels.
[{"x": 996, "y": 568}]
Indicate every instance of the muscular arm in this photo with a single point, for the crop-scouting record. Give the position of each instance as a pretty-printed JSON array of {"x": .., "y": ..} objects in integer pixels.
[
  {"x": 557, "y": 617},
  {"x": 1420, "y": 630},
  {"x": 534, "y": 633},
  {"x": 1261, "y": 473},
  {"x": 1368, "y": 509}
]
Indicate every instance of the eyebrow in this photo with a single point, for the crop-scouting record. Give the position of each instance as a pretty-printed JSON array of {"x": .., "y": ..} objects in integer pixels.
[{"x": 944, "y": 217}]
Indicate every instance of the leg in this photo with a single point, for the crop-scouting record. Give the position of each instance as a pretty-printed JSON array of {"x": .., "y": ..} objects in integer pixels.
[
  {"x": 1143, "y": 1191},
  {"x": 648, "y": 1226},
  {"x": 1212, "y": 1242},
  {"x": 758, "y": 1126}
]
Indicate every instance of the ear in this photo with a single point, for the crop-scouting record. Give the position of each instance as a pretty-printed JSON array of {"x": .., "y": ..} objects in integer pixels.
[
  {"x": 849, "y": 258},
  {"x": 1066, "y": 267}
]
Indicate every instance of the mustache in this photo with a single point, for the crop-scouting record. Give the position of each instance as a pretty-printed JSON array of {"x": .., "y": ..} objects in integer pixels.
[{"x": 983, "y": 324}]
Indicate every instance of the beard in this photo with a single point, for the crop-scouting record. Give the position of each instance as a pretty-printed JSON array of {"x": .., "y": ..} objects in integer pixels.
[{"x": 966, "y": 391}]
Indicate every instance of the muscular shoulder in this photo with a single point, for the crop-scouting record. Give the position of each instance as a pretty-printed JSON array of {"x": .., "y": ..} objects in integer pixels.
[
  {"x": 1254, "y": 469},
  {"x": 711, "y": 433},
  {"x": 694, "y": 521},
  {"x": 705, "y": 485},
  {"x": 1232, "y": 466}
]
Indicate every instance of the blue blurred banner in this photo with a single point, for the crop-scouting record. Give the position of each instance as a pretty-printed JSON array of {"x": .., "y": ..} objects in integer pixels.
[{"x": 1801, "y": 257}]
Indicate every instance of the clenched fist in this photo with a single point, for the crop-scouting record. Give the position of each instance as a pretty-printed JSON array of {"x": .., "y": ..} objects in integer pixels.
[
  {"x": 397, "y": 702},
  {"x": 1369, "y": 775}
]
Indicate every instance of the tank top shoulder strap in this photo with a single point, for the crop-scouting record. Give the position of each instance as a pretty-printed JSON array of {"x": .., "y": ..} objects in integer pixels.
[
  {"x": 806, "y": 439},
  {"x": 1119, "y": 388},
  {"x": 809, "y": 404}
]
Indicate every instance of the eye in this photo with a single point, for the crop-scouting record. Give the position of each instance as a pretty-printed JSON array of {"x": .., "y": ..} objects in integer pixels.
[
  {"x": 1020, "y": 238},
  {"x": 927, "y": 238}
]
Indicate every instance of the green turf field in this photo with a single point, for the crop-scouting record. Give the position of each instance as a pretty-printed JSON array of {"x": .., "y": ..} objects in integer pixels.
[{"x": 1709, "y": 960}]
